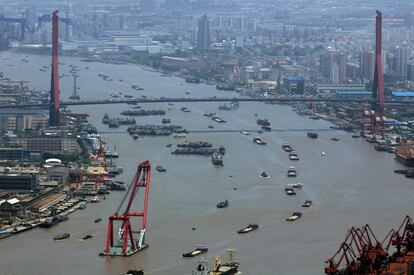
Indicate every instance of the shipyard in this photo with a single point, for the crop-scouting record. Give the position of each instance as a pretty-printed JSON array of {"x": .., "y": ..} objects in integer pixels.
[{"x": 206, "y": 138}]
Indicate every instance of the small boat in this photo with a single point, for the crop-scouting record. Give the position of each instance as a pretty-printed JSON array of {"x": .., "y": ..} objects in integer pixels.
[
  {"x": 244, "y": 133},
  {"x": 135, "y": 136},
  {"x": 251, "y": 227},
  {"x": 259, "y": 141},
  {"x": 295, "y": 216},
  {"x": 179, "y": 136},
  {"x": 356, "y": 135},
  {"x": 74, "y": 97},
  {"x": 335, "y": 139},
  {"x": 263, "y": 175},
  {"x": 135, "y": 272},
  {"x": 61, "y": 236},
  {"x": 312, "y": 135},
  {"x": 169, "y": 145},
  {"x": 293, "y": 156},
  {"x": 210, "y": 126},
  {"x": 307, "y": 203},
  {"x": 223, "y": 204},
  {"x": 200, "y": 249},
  {"x": 87, "y": 237},
  {"x": 159, "y": 168},
  {"x": 289, "y": 191},
  {"x": 266, "y": 128},
  {"x": 323, "y": 153},
  {"x": 97, "y": 220}
]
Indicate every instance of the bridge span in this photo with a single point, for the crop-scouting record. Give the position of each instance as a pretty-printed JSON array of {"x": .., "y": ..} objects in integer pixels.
[{"x": 213, "y": 99}]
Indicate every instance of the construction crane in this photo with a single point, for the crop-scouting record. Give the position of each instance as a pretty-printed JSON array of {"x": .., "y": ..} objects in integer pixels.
[{"x": 130, "y": 241}]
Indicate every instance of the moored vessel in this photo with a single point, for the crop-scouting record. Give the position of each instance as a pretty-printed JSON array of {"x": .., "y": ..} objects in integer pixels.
[{"x": 404, "y": 154}]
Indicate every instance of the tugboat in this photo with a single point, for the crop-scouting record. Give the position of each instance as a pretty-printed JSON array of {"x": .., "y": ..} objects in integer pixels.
[
  {"x": 307, "y": 203},
  {"x": 87, "y": 237},
  {"x": 263, "y": 122},
  {"x": 217, "y": 158},
  {"x": 229, "y": 268},
  {"x": 291, "y": 171},
  {"x": 49, "y": 222},
  {"x": 293, "y": 156},
  {"x": 295, "y": 216},
  {"x": 223, "y": 204},
  {"x": 61, "y": 236},
  {"x": 200, "y": 249},
  {"x": 289, "y": 191},
  {"x": 295, "y": 185},
  {"x": 259, "y": 141},
  {"x": 287, "y": 148},
  {"x": 159, "y": 168},
  {"x": 251, "y": 227},
  {"x": 106, "y": 119}
]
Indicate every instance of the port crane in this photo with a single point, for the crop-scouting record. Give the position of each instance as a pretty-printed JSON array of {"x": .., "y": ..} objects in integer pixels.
[
  {"x": 362, "y": 253},
  {"x": 130, "y": 241}
]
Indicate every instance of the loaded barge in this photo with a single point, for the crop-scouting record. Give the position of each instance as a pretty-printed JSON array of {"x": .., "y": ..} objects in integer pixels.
[{"x": 404, "y": 154}]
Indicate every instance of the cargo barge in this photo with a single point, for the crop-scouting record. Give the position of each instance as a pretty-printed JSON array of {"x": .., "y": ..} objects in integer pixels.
[
  {"x": 404, "y": 154},
  {"x": 143, "y": 113}
]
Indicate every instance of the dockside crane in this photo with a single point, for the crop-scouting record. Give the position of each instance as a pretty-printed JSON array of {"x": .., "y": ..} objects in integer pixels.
[{"x": 130, "y": 241}]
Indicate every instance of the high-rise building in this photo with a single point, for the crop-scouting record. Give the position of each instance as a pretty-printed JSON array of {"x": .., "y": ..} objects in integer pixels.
[
  {"x": 410, "y": 71},
  {"x": 203, "y": 33},
  {"x": 403, "y": 55},
  {"x": 333, "y": 66},
  {"x": 367, "y": 65}
]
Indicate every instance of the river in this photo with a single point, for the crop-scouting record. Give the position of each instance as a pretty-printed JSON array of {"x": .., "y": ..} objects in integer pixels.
[{"x": 351, "y": 185}]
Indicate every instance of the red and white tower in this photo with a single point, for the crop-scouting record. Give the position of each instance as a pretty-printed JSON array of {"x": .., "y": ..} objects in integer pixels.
[{"x": 54, "y": 110}]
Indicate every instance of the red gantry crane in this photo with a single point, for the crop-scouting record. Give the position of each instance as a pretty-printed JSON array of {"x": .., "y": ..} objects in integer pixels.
[
  {"x": 362, "y": 254},
  {"x": 130, "y": 241}
]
